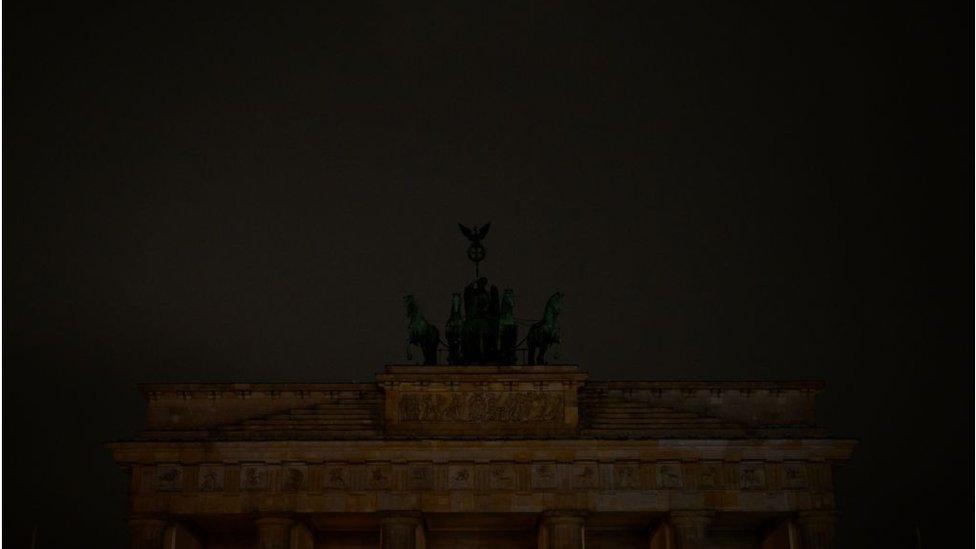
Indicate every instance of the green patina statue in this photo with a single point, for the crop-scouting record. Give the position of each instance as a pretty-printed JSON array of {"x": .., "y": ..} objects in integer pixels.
[
  {"x": 545, "y": 332},
  {"x": 482, "y": 328},
  {"x": 420, "y": 332},
  {"x": 453, "y": 331},
  {"x": 507, "y": 329},
  {"x": 476, "y": 252},
  {"x": 479, "y": 332}
]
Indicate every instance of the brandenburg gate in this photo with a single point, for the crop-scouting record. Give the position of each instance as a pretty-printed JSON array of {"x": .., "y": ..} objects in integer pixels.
[
  {"x": 482, "y": 452},
  {"x": 473, "y": 456}
]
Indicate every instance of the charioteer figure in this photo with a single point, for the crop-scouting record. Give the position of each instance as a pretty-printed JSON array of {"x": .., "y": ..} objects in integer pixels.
[{"x": 482, "y": 327}]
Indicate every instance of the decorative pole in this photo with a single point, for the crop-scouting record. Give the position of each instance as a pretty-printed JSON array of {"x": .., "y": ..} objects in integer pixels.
[{"x": 476, "y": 252}]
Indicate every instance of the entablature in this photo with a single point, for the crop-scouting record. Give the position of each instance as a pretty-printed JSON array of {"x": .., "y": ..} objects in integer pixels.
[{"x": 482, "y": 402}]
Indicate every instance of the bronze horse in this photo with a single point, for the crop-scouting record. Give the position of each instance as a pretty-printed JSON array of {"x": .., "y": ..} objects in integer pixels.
[
  {"x": 420, "y": 332},
  {"x": 545, "y": 332}
]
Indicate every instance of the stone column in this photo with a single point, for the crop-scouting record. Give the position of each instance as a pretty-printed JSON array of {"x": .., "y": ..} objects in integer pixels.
[
  {"x": 817, "y": 528},
  {"x": 274, "y": 532},
  {"x": 178, "y": 536},
  {"x": 690, "y": 528},
  {"x": 401, "y": 530},
  {"x": 563, "y": 530},
  {"x": 661, "y": 536},
  {"x": 302, "y": 537},
  {"x": 782, "y": 535},
  {"x": 147, "y": 532}
]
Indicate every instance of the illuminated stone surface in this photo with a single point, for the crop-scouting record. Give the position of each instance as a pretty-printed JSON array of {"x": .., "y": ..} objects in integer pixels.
[{"x": 483, "y": 456}]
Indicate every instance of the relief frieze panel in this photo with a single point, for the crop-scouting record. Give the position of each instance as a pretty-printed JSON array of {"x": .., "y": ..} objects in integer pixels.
[
  {"x": 337, "y": 477},
  {"x": 481, "y": 407},
  {"x": 669, "y": 475},
  {"x": 210, "y": 478},
  {"x": 626, "y": 476},
  {"x": 495, "y": 476},
  {"x": 294, "y": 478},
  {"x": 585, "y": 475},
  {"x": 710, "y": 476},
  {"x": 752, "y": 476},
  {"x": 460, "y": 477},
  {"x": 793, "y": 475},
  {"x": 379, "y": 476},
  {"x": 254, "y": 478},
  {"x": 544, "y": 475},
  {"x": 501, "y": 476},
  {"x": 169, "y": 478},
  {"x": 420, "y": 476}
]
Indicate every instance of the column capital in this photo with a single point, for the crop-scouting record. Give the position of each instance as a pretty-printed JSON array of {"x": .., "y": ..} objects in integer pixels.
[
  {"x": 817, "y": 528},
  {"x": 690, "y": 527},
  {"x": 690, "y": 517},
  {"x": 818, "y": 516},
  {"x": 401, "y": 517},
  {"x": 148, "y": 521},
  {"x": 572, "y": 516},
  {"x": 274, "y": 521},
  {"x": 147, "y": 531},
  {"x": 401, "y": 529},
  {"x": 562, "y": 529},
  {"x": 274, "y": 532}
]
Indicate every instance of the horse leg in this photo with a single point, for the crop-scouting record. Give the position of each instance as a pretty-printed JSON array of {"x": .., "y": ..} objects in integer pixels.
[
  {"x": 543, "y": 347},
  {"x": 532, "y": 342},
  {"x": 430, "y": 351}
]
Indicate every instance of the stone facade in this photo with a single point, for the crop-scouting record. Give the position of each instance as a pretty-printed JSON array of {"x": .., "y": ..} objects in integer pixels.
[{"x": 483, "y": 456}]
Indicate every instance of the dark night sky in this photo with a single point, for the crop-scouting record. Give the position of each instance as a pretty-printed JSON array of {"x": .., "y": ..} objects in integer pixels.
[{"x": 725, "y": 190}]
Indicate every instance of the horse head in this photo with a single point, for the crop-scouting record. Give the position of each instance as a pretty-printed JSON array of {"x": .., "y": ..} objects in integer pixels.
[
  {"x": 508, "y": 299},
  {"x": 555, "y": 303},
  {"x": 411, "y": 303}
]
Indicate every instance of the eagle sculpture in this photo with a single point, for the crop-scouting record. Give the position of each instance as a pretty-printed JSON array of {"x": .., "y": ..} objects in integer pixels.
[{"x": 474, "y": 234}]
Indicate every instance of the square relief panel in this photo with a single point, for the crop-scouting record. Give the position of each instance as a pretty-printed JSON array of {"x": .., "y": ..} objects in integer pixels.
[
  {"x": 420, "y": 476},
  {"x": 544, "y": 475},
  {"x": 169, "y": 478},
  {"x": 336, "y": 477},
  {"x": 254, "y": 477},
  {"x": 752, "y": 476},
  {"x": 586, "y": 475},
  {"x": 294, "y": 477},
  {"x": 669, "y": 475},
  {"x": 210, "y": 478},
  {"x": 709, "y": 475},
  {"x": 460, "y": 477},
  {"x": 626, "y": 475},
  {"x": 501, "y": 476},
  {"x": 794, "y": 475},
  {"x": 379, "y": 476}
]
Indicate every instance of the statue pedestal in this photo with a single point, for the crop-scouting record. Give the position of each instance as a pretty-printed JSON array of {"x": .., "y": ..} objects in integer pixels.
[{"x": 481, "y": 401}]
